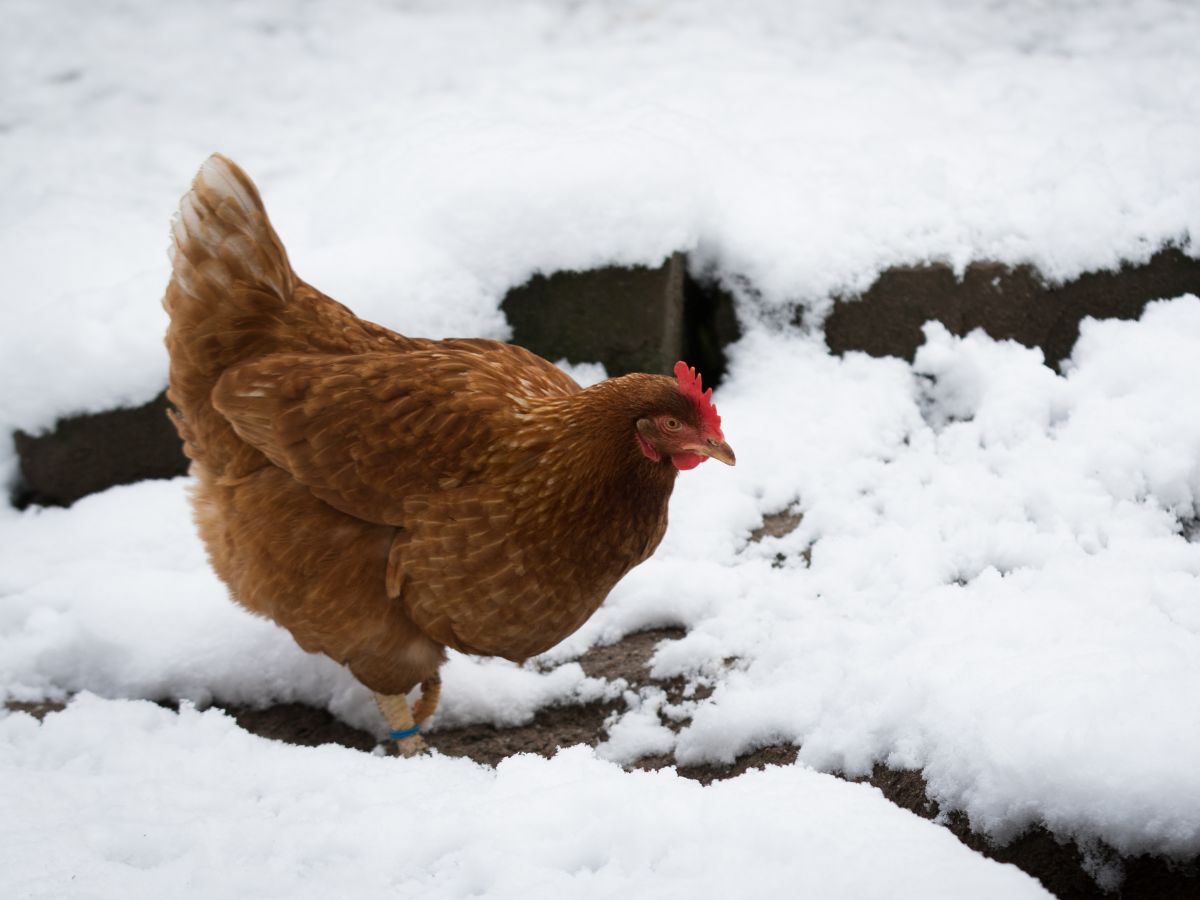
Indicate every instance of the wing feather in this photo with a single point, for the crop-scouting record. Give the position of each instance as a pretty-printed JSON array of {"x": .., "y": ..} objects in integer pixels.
[{"x": 366, "y": 431}]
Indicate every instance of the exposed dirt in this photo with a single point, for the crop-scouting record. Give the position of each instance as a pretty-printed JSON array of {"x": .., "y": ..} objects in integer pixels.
[
  {"x": 38, "y": 710},
  {"x": 1059, "y": 866},
  {"x": 776, "y": 525}
]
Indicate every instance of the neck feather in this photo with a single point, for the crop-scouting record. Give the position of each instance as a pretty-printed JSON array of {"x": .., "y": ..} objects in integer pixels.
[{"x": 592, "y": 434}]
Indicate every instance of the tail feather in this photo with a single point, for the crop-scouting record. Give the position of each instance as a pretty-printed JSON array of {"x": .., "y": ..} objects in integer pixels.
[
  {"x": 234, "y": 297},
  {"x": 221, "y": 236},
  {"x": 231, "y": 285}
]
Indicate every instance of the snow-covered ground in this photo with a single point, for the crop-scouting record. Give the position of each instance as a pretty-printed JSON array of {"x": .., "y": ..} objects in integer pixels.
[
  {"x": 129, "y": 800},
  {"x": 1001, "y": 589}
]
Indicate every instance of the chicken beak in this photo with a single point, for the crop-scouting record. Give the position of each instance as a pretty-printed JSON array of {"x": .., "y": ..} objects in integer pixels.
[{"x": 719, "y": 450}]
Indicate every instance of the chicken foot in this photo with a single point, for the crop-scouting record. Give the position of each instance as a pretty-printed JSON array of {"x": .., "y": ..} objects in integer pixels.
[
  {"x": 407, "y": 722},
  {"x": 431, "y": 692}
]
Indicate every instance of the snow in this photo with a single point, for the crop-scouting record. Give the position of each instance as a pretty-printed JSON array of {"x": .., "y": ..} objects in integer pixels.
[
  {"x": 1000, "y": 592},
  {"x": 994, "y": 579},
  {"x": 238, "y": 816},
  {"x": 421, "y": 159}
]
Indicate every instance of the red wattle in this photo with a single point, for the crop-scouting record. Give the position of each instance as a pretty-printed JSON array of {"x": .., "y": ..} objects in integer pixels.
[{"x": 685, "y": 461}]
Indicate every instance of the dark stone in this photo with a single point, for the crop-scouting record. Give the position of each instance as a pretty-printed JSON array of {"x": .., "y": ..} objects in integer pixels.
[
  {"x": 89, "y": 453},
  {"x": 709, "y": 326},
  {"x": 1006, "y": 303},
  {"x": 643, "y": 320},
  {"x": 629, "y": 319},
  {"x": 887, "y": 319}
]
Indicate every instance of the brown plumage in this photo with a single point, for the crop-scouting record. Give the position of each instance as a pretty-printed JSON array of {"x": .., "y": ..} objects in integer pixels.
[{"x": 384, "y": 497}]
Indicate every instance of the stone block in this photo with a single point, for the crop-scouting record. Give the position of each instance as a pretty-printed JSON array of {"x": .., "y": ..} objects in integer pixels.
[
  {"x": 629, "y": 319},
  {"x": 1007, "y": 303},
  {"x": 88, "y": 453}
]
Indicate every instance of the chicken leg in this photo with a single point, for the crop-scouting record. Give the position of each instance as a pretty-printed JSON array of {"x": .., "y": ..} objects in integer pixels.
[{"x": 404, "y": 722}]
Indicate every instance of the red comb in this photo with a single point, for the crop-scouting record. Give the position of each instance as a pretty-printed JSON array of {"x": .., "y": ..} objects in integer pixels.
[{"x": 689, "y": 386}]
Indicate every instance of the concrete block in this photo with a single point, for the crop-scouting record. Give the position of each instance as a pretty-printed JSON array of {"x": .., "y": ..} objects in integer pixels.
[
  {"x": 1007, "y": 303},
  {"x": 88, "y": 453},
  {"x": 630, "y": 319}
]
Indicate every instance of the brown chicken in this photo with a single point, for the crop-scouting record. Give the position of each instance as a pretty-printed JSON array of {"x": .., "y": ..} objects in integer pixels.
[{"x": 384, "y": 497}]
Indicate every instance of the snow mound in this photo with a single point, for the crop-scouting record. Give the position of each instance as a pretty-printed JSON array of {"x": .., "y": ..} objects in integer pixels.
[
  {"x": 189, "y": 805},
  {"x": 1001, "y": 589}
]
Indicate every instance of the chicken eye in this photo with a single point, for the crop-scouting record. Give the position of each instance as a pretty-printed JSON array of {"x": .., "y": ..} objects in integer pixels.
[{"x": 671, "y": 424}]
